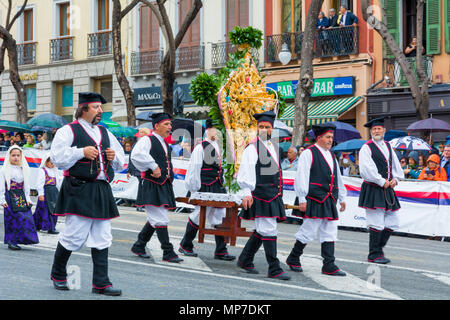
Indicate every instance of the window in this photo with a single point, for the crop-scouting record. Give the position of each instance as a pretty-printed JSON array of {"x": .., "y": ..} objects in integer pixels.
[
  {"x": 149, "y": 30},
  {"x": 67, "y": 96},
  {"x": 64, "y": 19},
  {"x": 192, "y": 36},
  {"x": 236, "y": 15},
  {"x": 104, "y": 86},
  {"x": 336, "y": 4},
  {"x": 31, "y": 98},
  {"x": 64, "y": 100},
  {"x": 28, "y": 25},
  {"x": 291, "y": 16},
  {"x": 103, "y": 15}
]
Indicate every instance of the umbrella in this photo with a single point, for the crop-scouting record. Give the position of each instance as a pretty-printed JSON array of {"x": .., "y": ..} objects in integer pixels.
[
  {"x": 350, "y": 145},
  {"x": 39, "y": 128},
  {"x": 146, "y": 125},
  {"x": 409, "y": 143},
  {"x": 391, "y": 134},
  {"x": 48, "y": 120},
  {"x": 14, "y": 126},
  {"x": 430, "y": 124},
  {"x": 343, "y": 132},
  {"x": 280, "y": 133},
  {"x": 123, "y": 131},
  {"x": 145, "y": 116},
  {"x": 109, "y": 124}
]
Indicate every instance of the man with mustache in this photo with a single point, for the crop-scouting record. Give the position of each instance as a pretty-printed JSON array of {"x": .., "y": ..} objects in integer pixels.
[
  {"x": 319, "y": 186},
  {"x": 381, "y": 171},
  {"x": 89, "y": 154},
  {"x": 151, "y": 155},
  {"x": 261, "y": 181}
]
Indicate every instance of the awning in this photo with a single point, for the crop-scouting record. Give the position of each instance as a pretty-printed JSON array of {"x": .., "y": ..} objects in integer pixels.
[{"x": 323, "y": 111}]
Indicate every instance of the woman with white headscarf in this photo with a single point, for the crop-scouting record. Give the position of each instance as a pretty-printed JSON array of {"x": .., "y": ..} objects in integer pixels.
[
  {"x": 16, "y": 201},
  {"x": 48, "y": 183}
]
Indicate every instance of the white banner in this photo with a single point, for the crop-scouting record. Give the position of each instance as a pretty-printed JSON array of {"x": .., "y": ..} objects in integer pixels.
[{"x": 425, "y": 204}]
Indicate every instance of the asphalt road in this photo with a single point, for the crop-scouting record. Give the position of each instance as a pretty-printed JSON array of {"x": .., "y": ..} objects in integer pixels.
[{"x": 419, "y": 269}]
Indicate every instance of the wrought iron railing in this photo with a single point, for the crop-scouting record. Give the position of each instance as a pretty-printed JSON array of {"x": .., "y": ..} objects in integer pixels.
[
  {"x": 339, "y": 41},
  {"x": 26, "y": 53},
  {"x": 146, "y": 62},
  {"x": 395, "y": 75},
  {"x": 221, "y": 50},
  {"x": 190, "y": 58},
  {"x": 100, "y": 43},
  {"x": 61, "y": 49}
]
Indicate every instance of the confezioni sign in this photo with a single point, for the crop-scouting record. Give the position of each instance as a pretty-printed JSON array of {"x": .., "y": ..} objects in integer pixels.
[{"x": 322, "y": 87}]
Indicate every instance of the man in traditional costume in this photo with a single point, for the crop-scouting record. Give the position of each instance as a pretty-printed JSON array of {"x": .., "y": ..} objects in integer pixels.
[
  {"x": 204, "y": 174},
  {"x": 381, "y": 171},
  {"x": 89, "y": 154},
  {"x": 151, "y": 155},
  {"x": 318, "y": 185},
  {"x": 261, "y": 182}
]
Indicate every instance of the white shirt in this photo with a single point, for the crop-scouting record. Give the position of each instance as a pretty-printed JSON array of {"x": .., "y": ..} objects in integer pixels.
[
  {"x": 17, "y": 176},
  {"x": 301, "y": 183},
  {"x": 52, "y": 173},
  {"x": 140, "y": 155},
  {"x": 64, "y": 156},
  {"x": 192, "y": 179},
  {"x": 246, "y": 177},
  {"x": 368, "y": 169}
]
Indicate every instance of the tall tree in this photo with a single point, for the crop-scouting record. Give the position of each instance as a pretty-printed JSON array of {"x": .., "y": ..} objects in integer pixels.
[
  {"x": 117, "y": 16},
  {"x": 167, "y": 68},
  {"x": 418, "y": 84},
  {"x": 9, "y": 43},
  {"x": 306, "y": 80}
]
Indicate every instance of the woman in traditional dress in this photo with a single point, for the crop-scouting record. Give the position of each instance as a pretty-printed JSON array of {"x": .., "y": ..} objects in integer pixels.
[
  {"x": 16, "y": 201},
  {"x": 48, "y": 183}
]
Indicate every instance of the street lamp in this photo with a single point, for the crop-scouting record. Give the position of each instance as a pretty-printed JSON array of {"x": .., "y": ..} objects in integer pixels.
[{"x": 285, "y": 54}]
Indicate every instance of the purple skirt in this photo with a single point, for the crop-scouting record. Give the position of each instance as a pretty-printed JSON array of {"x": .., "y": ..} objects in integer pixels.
[
  {"x": 19, "y": 227},
  {"x": 43, "y": 220}
]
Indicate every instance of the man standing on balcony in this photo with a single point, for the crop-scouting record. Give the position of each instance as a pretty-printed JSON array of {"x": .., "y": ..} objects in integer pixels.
[
  {"x": 346, "y": 19},
  {"x": 332, "y": 34}
]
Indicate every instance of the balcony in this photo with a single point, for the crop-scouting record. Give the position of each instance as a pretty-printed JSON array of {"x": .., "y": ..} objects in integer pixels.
[
  {"x": 221, "y": 50},
  {"x": 396, "y": 76},
  {"x": 61, "y": 49},
  {"x": 100, "y": 43},
  {"x": 332, "y": 42},
  {"x": 148, "y": 62},
  {"x": 26, "y": 53},
  {"x": 190, "y": 58}
]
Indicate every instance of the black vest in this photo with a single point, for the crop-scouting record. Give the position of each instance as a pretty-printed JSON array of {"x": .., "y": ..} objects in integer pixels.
[
  {"x": 211, "y": 171},
  {"x": 85, "y": 169},
  {"x": 384, "y": 168},
  {"x": 164, "y": 162},
  {"x": 323, "y": 183},
  {"x": 269, "y": 176}
]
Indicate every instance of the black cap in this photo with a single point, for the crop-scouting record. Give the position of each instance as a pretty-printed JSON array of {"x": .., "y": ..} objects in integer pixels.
[
  {"x": 268, "y": 116},
  {"x": 89, "y": 97},
  {"x": 158, "y": 117},
  {"x": 209, "y": 124},
  {"x": 375, "y": 122},
  {"x": 321, "y": 129}
]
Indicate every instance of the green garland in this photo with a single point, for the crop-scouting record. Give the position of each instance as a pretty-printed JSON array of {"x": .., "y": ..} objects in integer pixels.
[{"x": 247, "y": 35}]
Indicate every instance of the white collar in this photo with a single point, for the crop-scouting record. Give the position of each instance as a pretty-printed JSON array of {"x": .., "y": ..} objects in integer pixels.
[{"x": 86, "y": 124}]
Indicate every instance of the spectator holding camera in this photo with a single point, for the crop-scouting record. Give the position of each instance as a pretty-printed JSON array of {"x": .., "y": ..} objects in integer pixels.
[{"x": 433, "y": 171}]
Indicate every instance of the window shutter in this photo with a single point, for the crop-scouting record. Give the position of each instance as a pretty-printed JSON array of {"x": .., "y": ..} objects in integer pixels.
[
  {"x": 243, "y": 13},
  {"x": 447, "y": 25},
  {"x": 231, "y": 16},
  {"x": 143, "y": 28},
  {"x": 391, "y": 8},
  {"x": 433, "y": 27},
  {"x": 154, "y": 31}
]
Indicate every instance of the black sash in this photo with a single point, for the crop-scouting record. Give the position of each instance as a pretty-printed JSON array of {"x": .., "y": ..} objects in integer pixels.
[{"x": 18, "y": 201}]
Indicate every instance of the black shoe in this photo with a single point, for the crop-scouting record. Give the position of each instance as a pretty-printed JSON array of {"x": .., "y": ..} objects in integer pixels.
[
  {"x": 187, "y": 253},
  {"x": 60, "y": 285},
  {"x": 13, "y": 246},
  {"x": 225, "y": 257},
  {"x": 247, "y": 270},
  {"x": 141, "y": 254},
  {"x": 282, "y": 276},
  {"x": 338, "y": 273},
  {"x": 380, "y": 260},
  {"x": 294, "y": 268},
  {"x": 175, "y": 259},
  {"x": 52, "y": 232},
  {"x": 108, "y": 291}
]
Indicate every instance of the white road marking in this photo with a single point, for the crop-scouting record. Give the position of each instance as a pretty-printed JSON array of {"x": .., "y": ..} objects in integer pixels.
[
  {"x": 312, "y": 268},
  {"x": 442, "y": 278}
]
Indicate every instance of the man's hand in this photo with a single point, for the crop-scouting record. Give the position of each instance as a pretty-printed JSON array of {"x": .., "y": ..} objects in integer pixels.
[
  {"x": 393, "y": 183},
  {"x": 247, "y": 202},
  {"x": 343, "y": 206},
  {"x": 156, "y": 173},
  {"x": 387, "y": 184},
  {"x": 302, "y": 207},
  {"x": 110, "y": 154},
  {"x": 90, "y": 152},
  {"x": 41, "y": 198},
  {"x": 5, "y": 205}
]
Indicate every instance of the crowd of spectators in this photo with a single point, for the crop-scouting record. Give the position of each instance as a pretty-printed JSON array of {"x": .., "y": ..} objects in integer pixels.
[{"x": 40, "y": 141}]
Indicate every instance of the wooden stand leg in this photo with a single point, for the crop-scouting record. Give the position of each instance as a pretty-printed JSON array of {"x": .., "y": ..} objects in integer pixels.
[{"x": 201, "y": 226}]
